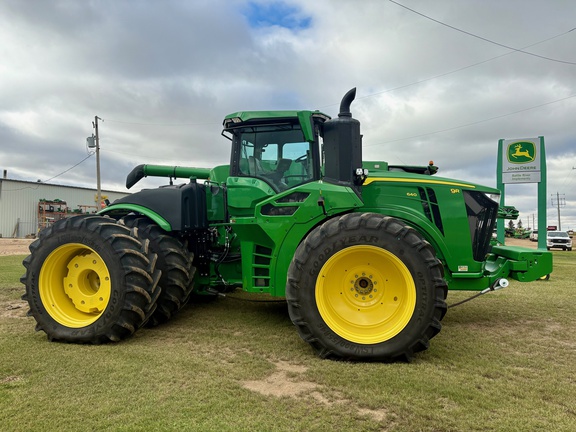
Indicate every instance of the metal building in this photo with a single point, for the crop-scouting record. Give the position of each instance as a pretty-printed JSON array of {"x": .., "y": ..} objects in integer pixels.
[{"x": 26, "y": 207}]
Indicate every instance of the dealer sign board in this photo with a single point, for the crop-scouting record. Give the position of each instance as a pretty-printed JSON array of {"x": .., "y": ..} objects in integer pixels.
[{"x": 521, "y": 162}]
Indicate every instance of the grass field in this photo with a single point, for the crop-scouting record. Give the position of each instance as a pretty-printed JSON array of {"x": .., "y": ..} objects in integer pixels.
[{"x": 503, "y": 362}]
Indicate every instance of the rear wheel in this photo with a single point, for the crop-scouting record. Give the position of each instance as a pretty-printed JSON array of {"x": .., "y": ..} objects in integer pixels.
[
  {"x": 90, "y": 280},
  {"x": 174, "y": 261},
  {"x": 366, "y": 287}
]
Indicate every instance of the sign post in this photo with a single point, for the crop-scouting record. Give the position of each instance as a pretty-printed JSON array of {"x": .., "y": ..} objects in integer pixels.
[{"x": 523, "y": 161}]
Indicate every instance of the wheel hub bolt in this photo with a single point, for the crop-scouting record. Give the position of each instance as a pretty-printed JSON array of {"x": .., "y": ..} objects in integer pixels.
[{"x": 363, "y": 286}]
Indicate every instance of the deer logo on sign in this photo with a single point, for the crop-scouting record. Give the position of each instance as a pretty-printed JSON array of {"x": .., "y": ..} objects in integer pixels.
[{"x": 521, "y": 152}]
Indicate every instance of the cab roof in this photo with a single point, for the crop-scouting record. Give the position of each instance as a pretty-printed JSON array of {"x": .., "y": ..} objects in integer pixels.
[{"x": 250, "y": 117}]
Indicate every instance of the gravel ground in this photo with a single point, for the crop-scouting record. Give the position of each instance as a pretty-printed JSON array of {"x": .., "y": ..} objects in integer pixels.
[
  {"x": 522, "y": 242},
  {"x": 11, "y": 246}
]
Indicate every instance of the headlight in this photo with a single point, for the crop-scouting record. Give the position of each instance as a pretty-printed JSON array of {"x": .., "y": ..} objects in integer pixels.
[
  {"x": 231, "y": 121},
  {"x": 494, "y": 197}
]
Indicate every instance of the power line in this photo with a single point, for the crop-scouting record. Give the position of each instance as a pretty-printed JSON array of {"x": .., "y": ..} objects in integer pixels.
[
  {"x": 513, "y": 50},
  {"x": 52, "y": 178},
  {"x": 460, "y": 69},
  {"x": 143, "y": 156},
  {"x": 446, "y": 129},
  {"x": 560, "y": 202},
  {"x": 161, "y": 124},
  {"x": 64, "y": 172},
  {"x": 480, "y": 37},
  {"x": 569, "y": 178},
  {"x": 471, "y": 124}
]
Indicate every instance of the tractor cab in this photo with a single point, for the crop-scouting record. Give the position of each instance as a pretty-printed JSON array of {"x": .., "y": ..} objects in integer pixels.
[
  {"x": 282, "y": 151},
  {"x": 286, "y": 149}
]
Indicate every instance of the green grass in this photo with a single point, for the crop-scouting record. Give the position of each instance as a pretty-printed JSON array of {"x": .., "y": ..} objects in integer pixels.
[{"x": 503, "y": 362}]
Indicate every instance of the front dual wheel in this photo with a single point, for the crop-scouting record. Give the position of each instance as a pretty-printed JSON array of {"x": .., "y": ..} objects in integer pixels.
[{"x": 366, "y": 287}]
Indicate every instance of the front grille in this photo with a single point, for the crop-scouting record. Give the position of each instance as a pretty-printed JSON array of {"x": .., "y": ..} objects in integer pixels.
[
  {"x": 482, "y": 213},
  {"x": 430, "y": 207}
]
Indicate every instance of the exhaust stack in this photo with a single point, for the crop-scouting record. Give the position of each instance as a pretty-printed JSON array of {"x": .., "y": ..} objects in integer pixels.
[
  {"x": 346, "y": 102},
  {"x": 343, "y": 147}
]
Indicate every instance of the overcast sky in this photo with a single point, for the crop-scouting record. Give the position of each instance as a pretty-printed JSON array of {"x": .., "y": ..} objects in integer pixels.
[{"x": 162, "y": 75}]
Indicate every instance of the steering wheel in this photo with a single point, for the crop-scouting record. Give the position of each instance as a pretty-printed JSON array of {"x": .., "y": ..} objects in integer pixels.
[{"x": 301, "y": 159}]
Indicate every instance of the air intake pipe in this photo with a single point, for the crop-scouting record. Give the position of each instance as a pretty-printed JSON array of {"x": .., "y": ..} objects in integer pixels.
[{"x": 343, "y": 147}]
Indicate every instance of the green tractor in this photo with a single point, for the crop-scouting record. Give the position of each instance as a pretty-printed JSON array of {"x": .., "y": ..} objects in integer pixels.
[{"x": 363, "y": 252}]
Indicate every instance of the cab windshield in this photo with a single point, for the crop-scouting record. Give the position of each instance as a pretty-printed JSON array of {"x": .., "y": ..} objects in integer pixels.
[{"x": 278, "y": 154}]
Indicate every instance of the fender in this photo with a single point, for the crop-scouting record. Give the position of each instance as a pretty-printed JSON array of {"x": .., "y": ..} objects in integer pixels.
[
  {"x": 173, "y": 208},
  {"x": 119, "y": 210}
]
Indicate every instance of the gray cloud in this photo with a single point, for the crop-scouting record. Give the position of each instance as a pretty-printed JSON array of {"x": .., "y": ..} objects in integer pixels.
[{"x": 162, "y": 75}]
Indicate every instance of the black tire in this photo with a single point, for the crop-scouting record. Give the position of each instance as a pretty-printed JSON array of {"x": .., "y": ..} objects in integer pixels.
[
  {"x": 175, "y": 262},
  {"x": 90, "y": 280},
  {"x": 363, "y": 286}
]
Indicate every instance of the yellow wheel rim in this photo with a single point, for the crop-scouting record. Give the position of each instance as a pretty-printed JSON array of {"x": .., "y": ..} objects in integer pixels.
[
  {"x": 365, "y": 294},
  {"x": 74, "y": 285}
]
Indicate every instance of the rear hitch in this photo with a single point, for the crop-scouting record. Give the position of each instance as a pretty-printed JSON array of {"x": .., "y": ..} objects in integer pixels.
[{"x": 497, "y": 285}]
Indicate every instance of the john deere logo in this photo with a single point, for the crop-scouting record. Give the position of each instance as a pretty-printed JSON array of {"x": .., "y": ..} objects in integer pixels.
[{"x": 521, "y": 152}]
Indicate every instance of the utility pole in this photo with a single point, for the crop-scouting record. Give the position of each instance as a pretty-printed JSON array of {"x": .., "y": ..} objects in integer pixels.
[
  {"x": 97, "y": 137},
  {"x": 560, "y": 202}
]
